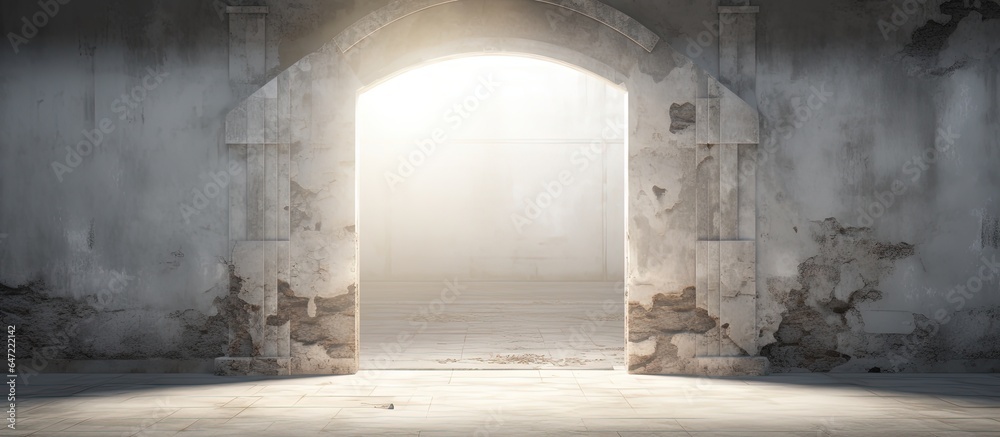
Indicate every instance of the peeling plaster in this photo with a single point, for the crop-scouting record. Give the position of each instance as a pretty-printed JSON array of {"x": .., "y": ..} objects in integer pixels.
[
  {"x": 819, "y": 322},
  {"x": 669, "y": 321}
]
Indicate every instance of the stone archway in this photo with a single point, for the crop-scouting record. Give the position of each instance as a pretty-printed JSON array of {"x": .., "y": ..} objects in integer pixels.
[{"x": 690, "y": 287}]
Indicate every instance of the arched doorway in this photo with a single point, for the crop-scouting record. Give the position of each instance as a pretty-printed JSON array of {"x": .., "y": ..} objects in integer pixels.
[
  {"x": 690, "y": 279},
  {"x": 491, "y": 201}
]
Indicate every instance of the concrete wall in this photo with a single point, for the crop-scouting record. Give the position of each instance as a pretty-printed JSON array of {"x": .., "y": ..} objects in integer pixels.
[
  {"x": 131, "y": 244},
  {"x": 879, "y": 200},
  {"x": 522, "y": 187}
]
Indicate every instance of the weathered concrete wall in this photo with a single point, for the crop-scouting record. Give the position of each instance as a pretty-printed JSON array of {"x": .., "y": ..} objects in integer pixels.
[
  {"x": 99, "y": 240},
  {"x": 877, "y": 185},
  {"x": 122, "y": 241}
]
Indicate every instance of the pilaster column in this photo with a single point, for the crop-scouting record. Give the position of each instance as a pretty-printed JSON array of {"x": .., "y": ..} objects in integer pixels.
[
  {"x": 259, "y": 198},
  {"x": 727, "y": 136}
]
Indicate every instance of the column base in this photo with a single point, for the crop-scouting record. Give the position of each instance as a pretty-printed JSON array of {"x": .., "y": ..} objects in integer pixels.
[
  {"x": 733, "y": 366},
  {"x": 253, "y": 366}
]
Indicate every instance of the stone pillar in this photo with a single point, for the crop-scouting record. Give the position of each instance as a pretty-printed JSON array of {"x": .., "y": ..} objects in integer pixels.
[
  {"x": 259, "y": 201},
  {"x": 727, "y": 136}
]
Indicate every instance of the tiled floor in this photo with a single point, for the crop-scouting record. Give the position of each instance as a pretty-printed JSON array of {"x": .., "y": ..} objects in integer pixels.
[
  {"x": 492, "y": 326},
  {"x": 493, "y": 403}
]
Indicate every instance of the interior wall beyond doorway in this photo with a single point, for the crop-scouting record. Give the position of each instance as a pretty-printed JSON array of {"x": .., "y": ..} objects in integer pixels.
[{"x": 492, "y": 168}]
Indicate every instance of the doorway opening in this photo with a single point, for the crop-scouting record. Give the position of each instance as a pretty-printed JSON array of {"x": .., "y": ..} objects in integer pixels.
[{"x": 492, "y": 216}]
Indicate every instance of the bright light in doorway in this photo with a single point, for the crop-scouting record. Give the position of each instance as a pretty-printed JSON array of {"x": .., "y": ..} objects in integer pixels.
[
  {"x": 456, "y": 95},
  {"x": 505, "y": 166},
  {"x": 490, "y": 170}
]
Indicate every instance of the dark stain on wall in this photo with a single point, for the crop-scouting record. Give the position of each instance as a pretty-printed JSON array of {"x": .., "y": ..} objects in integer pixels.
[
  {"x": 45, "y": 325},
  {"x": 681, "y": 117},
  {"x": 90, "y": 236},
  {"x": 235, "y": 313},
  {"x": 202, "y": 337},
  {"x": 300, "y": 217},
  {"x": 970, "y": 337},
  {"x": 990, "y": 231},
  {"x": 820, "y": 333},
  {"x": 806, "y": 337},
  {"x": 56, "y": 328},
  {"x": 659, "y": 192},
  {"x": 892, "y": 252},
  {"x": 927, "y": 41},
  {"x": 810, "y": 334}
]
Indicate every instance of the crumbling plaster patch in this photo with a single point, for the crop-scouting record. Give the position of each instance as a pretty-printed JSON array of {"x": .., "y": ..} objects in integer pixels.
[
  {"x": 663, "y": 336},
  {"x": 661, "y": 184},
  {"x": 815, "y": 319},
  {"x": 52, "y": 327}
]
